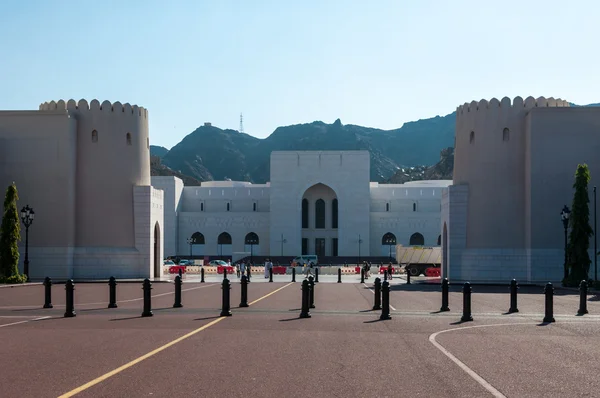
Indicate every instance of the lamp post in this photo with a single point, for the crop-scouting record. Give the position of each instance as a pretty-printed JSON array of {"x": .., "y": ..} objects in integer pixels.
[
  {"x": 190, "y": 242},
  {"x": 390, "y": 241},
  {"x": 564, "y": 216},
  {"x": 595, "y": 242},
  {"x": 282, "y": 242},
  {"x": 252, "y": 240},
  {"x": 27, "y": 215},
  {"x": 359, "y": 242}
]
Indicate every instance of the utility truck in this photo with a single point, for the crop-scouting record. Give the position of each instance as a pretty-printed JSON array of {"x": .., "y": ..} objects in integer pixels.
[{"x": 416, "y": 259}]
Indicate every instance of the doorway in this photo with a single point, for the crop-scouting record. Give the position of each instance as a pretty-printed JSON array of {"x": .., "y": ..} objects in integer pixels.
[{"x": 157, "y": 256}]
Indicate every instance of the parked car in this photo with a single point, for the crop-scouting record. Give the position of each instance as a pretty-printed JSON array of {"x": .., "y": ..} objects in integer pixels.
[
  {"x": 168, "y": 262},
  {"x": 185, "y": 262},
  {"x": 217, "y": 263}
]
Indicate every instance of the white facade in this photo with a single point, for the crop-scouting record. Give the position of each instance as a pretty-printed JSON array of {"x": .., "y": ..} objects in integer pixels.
[{"x": 313, "y": 180}]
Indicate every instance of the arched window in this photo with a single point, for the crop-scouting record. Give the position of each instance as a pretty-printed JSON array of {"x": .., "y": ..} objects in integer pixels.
[
  {"x": 94, "y": 136},
  {"x": 254, "y": 206},
  {"x": 415, "y": 206},
  {"x": 201, "y": 206},
  {"x": 505, "y": 134},
  {"x": 251, "y": 239},
  {"x": 472, "y": 137},
  {"x": 388, "y": 239},
  {"x": 128, "y": 138},
  {"x": 417, "y": 239},
  {"x": 197, "y": 238},
  {"x": 224, "y": 239},
  {"x": 439, "y": 241},
  {"x": 304, "y": 213},
  {"x": 334, "y": 213},
  {"x": 387, "y": 207},
  {"x": 228, "y": 207},
  {"x": 320, "y": 214}
]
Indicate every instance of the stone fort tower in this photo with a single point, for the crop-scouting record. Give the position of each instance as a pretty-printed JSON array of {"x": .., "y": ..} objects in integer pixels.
[{"x": 85, "y": 169}]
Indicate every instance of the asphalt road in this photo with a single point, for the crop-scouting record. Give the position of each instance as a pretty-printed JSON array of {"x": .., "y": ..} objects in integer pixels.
[{"x": 266, "y": 350}]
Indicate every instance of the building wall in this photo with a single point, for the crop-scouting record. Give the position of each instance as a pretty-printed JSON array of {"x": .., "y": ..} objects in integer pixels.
[{"x": 172, "y": 188}]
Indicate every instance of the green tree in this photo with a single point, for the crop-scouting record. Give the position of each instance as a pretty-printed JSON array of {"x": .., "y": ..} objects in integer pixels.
[
  {"x": 579, "y": 237},
  {"x": 10, "y": 235}
]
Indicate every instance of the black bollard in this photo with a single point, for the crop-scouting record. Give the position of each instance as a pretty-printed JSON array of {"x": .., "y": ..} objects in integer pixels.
[
  {"x": 270, "y": 274},
  {"x": 244, "y": 300},
  {"x": 362, "y": 275},
  {"x": 407, "y": 275},
  {"x": 224, "y": 273},
  {"x": 311, "y": 295},
  {"x": 583, "y": 289},
  {"x": 339, "y": 275},
  {"x": 549, "y": 292},
  {"x": 445, "y": 286},
  {"x": 202, "y": 275},
  {"x": 178, "y": 282},
  {"x": 48, "y": 293},
  {"x": 377, "y": 304},
  {"x": 226, "y": 307},
  {"x": 293, "y": 274},
  {"x": 514, "y": 286},
  {"x": 385, "y": 301},
  {"x": 305, "y": 312},
  {"x": 147, "y": 288},
  {"x": 466, "y": 317},
  {"x": 385, "y": 274},
  {"x": 70, "y": 310},
  {"x": 112, "y": 292},
  {"x": 316, "y": 274}
]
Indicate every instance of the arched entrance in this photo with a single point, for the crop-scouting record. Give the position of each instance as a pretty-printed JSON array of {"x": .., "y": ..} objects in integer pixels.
[
  {"x": 197, "y": 244},
  {"x": 417, "y": 239},
  {"x": 157, "y": 257},
  {"x": 224, "y": 242},
  {"x": 388, "y": 244},
  {"x": 320, "y": 221},
  {"x": 445, "y": 252}
]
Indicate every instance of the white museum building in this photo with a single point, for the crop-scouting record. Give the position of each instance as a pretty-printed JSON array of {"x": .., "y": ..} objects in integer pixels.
[{"x": 316, "y": 202}]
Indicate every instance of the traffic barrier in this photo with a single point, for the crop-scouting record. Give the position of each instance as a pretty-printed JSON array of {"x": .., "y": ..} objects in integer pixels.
[
  {"x": 583, "y": 289},
  {"x": 147, "y": 288},
  {"x": 48, "y": 293},
  {"x": 112, "y": 294},
  {"x": 70, "y": 308},
  {"x": 549, "y": 307},
  {"x": 467, "y": 317},
  {"x": 432, "y": 272}
]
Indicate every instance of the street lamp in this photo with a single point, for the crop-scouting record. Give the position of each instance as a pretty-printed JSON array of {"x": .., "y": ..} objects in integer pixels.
[
  {"x": 27, "y": 215},
  {"x": 390, "y": 241},
  {"x": 252, "y": 239},
  {"x": 190, "y": 242},
  {"x": 282, "y": 242},
  {"x": 564, "y": 216},
  {"x": 595, "y": 242},
  {"x": 359, "y": 242}
]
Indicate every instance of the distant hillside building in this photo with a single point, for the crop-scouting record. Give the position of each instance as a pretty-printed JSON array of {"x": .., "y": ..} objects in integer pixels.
[
  {"x": 317, "y": 202},
  {"x": 513, "y": 173}
]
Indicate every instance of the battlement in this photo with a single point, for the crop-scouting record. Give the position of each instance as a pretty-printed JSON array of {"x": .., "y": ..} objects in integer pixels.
[
  {"x": 517, "y": 104},
  {"x": 95, "y": 106}
]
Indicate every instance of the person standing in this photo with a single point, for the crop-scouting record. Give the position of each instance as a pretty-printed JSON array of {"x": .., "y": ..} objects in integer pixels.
[
  {"x": 237, "y": 269},
  {"x": 243, "y": 267},
  {"x": 390, "y": 270},
  {"x": 267, "y": 269}
]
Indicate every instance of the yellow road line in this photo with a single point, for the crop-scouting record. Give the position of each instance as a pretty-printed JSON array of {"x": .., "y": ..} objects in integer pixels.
[{"x": 156, "y": 351}]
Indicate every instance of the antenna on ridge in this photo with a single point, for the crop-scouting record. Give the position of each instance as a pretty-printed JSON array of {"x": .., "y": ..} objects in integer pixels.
[{"x": 241, "y": 123}]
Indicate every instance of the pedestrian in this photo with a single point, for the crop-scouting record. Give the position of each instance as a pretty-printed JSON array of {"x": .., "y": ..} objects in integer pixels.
[
  {"x": 267, "y": 269},
  {"x": 243, "y": 268},
  {"x": 237, "y": 269},
  {"x": 390, "y": 270}
]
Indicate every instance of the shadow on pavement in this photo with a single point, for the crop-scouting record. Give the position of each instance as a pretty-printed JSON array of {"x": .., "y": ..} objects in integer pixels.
[{"x": 207, "y": 318}]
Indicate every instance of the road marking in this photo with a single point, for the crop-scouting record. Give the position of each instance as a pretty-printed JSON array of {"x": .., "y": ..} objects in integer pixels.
[
  {"x": 154, "y": 352},
  {"x": 482, "y": 382},
  {"x": 29, "y": 320},
  {"x": 119, "y": 301},
  {"x": 372, "y": 291}
]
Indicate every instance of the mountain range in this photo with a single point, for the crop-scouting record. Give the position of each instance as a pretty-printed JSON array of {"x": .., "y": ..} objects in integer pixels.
[{"x": 399, "y": 155}]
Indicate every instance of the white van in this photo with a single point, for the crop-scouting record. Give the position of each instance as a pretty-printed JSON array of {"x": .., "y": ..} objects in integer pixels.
[{"x": 306, "y": 259}]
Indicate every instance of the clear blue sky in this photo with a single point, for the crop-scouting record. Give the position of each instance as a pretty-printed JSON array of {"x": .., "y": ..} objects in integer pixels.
[{"x": 376, "y": 64}]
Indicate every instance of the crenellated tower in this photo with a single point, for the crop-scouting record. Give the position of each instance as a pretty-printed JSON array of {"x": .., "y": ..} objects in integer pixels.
[
  {"x": 490, "y": 152},
  {"x": 113, "y": 156}
]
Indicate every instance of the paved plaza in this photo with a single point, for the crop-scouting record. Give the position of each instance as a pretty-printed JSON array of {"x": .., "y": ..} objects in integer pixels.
[{"x": 265, "y": 350}]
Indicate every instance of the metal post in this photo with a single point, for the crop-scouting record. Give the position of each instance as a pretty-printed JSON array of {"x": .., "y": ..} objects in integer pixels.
[
  {"x": 385, "y": 274},
  {"x": 305, "y": 313},
  {"x": 244, "y": 300},
  {"x": 226, "y": 306},
  {"x": 47, "y": 292},
  {"x": 112, "y": 292},
  {"x": 407, "y": 275},
  {"x": 385, "y": 301},
  {"x": 293, "y": 274},
  {"x": 466, "y": 317},
  {"x": 270, "y": 274},
  {"x": 595, "y": 242},
  {"x": 251, "y": 253},
  {"x": 70, "y": 310},
  {"x": 316, "y": 274},
  {"x": 26, "y": 262},
  {"x": 549, "y": 292},
  {"x": 202, "y": 274},
  {"x": 180, "y": 272},
  {"x": 377, "y": 302},
  {"x": 339, "y": 275},
  {"x": 224, "y": 273},
  {"x": 311, "y": 293},
  {"x": 514, "y": 286},
  {"x": 445, "y": 295},
  {"x": 359, "y": 242},
  {"x": 177, "y": 303},
  {"x": 147, "y": 288},
  {"x": 566, "y": 273},
  {"x": 583, "y": 289}
]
